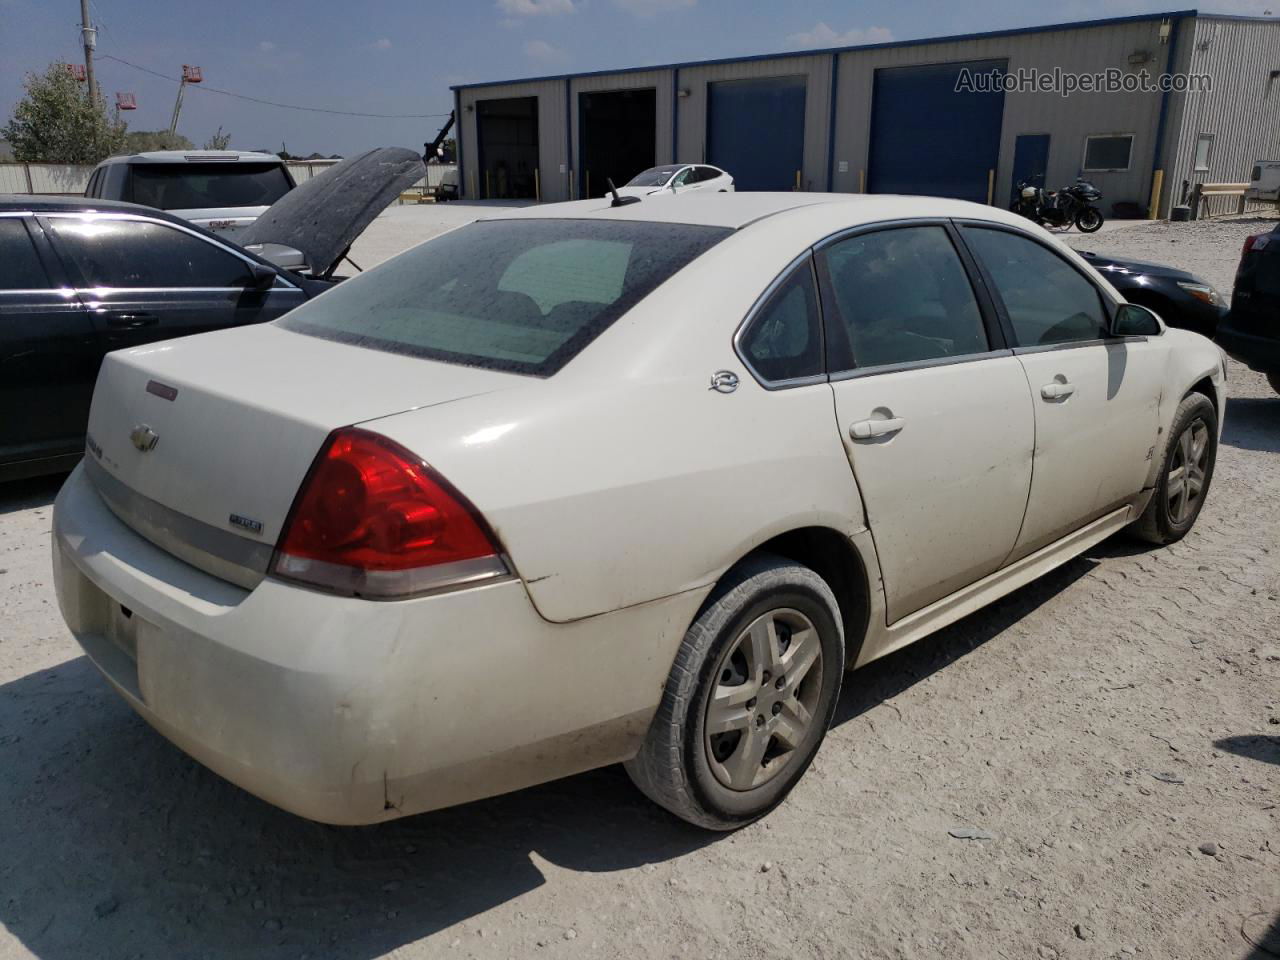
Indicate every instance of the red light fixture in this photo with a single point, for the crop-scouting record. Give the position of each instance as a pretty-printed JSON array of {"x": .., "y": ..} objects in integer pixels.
[
  {"x": 191, "y": 74},
  {"x": 126, "y": 101},
  {"x": 1258, "y": 241},
  {"x": 373, "y": 520}
]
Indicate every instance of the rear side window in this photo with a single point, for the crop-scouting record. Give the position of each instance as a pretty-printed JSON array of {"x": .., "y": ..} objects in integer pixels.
[
  {"x": 20, "y": 267},
  {"x": 1048, "y": 301},
  {"x": 191, "y": 186},
  {"x": 519, "y": 295},
  {"x": 901, "y": 295},
  {"x": 784, "y": 341},
  {"x": 133, "y": 253}
]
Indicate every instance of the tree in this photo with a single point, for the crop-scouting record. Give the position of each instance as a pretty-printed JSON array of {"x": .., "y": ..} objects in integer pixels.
[
  {"x": 219, "y": 141},
  {"x": 142, "y": 141},
  {"x": 57, "y": 122}
]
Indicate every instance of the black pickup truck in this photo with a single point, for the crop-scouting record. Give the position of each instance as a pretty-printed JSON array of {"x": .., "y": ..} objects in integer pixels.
[{"x": 1251, "y": 331}]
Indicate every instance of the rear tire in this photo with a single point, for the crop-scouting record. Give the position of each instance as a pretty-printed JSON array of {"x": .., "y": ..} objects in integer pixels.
[
  {"x": 1089, "y": 220},
  {"x": 1185, "y": 473},
  {"x": 749, "y": 699}
]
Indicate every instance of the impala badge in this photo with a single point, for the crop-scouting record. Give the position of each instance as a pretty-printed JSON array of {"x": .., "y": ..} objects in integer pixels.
[
  {"x": 724, "y": 381},
  {"x": 144, "y": 438}
]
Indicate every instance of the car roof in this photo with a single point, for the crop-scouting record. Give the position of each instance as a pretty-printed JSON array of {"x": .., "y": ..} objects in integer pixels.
[
  {"x": 193, "y": 156},
  {"x": 741, "y": 209}
]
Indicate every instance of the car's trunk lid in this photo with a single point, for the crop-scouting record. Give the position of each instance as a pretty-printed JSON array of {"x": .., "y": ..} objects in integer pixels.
[{"x": 201, "y": 444}]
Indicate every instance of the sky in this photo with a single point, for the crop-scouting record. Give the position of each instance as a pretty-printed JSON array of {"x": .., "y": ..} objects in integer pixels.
[{"x": 401, "y": 56}]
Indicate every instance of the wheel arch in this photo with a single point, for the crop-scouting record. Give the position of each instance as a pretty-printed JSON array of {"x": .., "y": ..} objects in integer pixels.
[{"x": 837, "y": 560}]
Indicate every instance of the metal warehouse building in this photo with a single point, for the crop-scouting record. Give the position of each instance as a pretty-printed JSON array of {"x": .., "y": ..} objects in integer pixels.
[{"x": 888, "y": 118}]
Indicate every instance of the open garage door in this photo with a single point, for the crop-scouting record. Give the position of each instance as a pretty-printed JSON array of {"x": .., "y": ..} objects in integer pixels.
[
  {"x": 929, "y": 138},
  {"x": 507, "y": 132},
  {"x": 755, "y": 131},
  {"x": 617, "y": 138}
]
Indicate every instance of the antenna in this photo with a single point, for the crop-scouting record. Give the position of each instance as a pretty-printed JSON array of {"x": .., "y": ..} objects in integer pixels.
[{"x": 617, "y": 200}]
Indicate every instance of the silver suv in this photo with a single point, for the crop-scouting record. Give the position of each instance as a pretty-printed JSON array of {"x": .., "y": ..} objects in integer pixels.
[{"x": 221, "y": 190}]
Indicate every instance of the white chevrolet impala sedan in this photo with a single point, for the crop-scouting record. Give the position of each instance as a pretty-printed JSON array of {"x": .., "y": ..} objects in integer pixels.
[{"x": 586, "y": 483}]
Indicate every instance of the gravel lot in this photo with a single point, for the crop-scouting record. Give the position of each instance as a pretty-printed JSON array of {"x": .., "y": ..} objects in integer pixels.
[{"x": 1115, "y": 727}]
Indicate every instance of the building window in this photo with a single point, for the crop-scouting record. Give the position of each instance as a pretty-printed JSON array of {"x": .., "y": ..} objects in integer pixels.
[
  {"x": 1204, "y": 151},
  {"x": 1108, "y": 152}
]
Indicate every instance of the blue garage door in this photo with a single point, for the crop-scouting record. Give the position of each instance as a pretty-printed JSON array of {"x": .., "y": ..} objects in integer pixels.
[
  {"x": 755, "y": 130},
  {"x": 929, "y": 138}
]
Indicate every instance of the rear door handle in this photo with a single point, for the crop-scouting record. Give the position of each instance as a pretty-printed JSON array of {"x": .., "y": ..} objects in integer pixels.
[
  {"x": 131, "y": 321},
  {"x": 1058, "y": 390},
  {"x": 867, "y": 429}
]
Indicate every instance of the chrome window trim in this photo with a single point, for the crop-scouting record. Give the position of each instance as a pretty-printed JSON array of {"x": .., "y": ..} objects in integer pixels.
[
  {"x": 859, "y": 372},
  {"x": 1073, "y": 344},
  {"x": 760, "y": 302},
  {"x": 183, "y": 228},
  {"x": 94, "y": 292},
  {"x": 66, "y": 293}
]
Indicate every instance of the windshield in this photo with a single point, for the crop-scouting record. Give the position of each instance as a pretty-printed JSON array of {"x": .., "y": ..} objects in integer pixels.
[
  {"x": 192, "y": 186},
  {"x": 524, "y": 296},
  {"x": 653, "y": 177}
]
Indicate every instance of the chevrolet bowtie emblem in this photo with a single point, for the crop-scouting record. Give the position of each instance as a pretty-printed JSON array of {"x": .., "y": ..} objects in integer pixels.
[{"x": 144, "y": 438}]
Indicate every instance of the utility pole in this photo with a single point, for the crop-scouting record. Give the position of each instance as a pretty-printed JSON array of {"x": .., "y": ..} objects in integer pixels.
[{"x": 90, "y": 36}]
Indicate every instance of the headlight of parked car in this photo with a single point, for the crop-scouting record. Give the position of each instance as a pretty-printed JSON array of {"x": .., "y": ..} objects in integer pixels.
[{"x": 1204, "y": 293}]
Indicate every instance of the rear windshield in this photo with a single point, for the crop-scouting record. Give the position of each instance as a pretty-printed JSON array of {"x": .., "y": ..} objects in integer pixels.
[
  {"x": 525, "y": 296},
  {"x": 653, "y": 177},
  {"x": 191, "y": 186}
]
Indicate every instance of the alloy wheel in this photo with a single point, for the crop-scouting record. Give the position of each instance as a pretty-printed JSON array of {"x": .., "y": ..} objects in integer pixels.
[
  {"x": 1187, "y": 468},
  {"x": 762, "y": 707}
]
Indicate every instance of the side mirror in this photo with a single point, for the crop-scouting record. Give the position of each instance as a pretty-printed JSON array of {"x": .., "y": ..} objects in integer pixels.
[
  {"x": 1132, "y": 320},
  {"x": 261, "y": 277}
]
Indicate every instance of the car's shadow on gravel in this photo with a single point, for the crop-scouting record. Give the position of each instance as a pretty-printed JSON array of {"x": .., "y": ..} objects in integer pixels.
[
  {"x": 1253, "y": 423},
  {"x": 113, "y": 842},
  {"x": 25, "y": 494},
  {"x": 1261, "y": 747}
]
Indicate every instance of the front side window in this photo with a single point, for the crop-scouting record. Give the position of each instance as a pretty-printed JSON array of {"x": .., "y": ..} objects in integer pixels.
[
  {"x": 1108, "y": 152},
  {"x": 136, "y": 253},
  {"x": 519, "y": 295},
  {"x": 682, "y": 178},
  {"x": 653, "y": 177},
  {"x": 192, "y": 186},
  {"x": 901, "y": 295},
  {"x": 1048, "y": 301},
  {"x": 20, "y": 267},
  {"x": 784, "y": 341}
]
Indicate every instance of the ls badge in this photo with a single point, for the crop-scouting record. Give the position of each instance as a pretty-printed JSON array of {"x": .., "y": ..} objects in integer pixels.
[{"x": 144, "y": 438}]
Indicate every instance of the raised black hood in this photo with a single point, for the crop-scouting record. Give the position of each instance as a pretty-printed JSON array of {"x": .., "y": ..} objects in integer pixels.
[{"x": 323, "y": 216}]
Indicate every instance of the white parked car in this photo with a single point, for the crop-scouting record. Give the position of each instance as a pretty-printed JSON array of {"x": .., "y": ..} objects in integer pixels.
[
  {"x": 224, "y": 191},
  {"x": 582, "y": 484},
  {"x": 678, "y": 178}
]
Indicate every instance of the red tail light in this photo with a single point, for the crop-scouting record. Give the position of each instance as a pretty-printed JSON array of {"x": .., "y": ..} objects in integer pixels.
[
  {"x": 373, "y": 520},
  {"x": 1256, "y": 242}
]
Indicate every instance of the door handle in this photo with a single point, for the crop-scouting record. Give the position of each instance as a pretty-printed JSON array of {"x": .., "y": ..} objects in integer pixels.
[
  {"x": 867, "y": 429},
  {"x": 1058, "y": 390},
  {"x": 131, "y": 321}
]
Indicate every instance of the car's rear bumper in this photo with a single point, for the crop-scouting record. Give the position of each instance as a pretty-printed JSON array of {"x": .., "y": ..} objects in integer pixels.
[
  {"x": 1257, "y": 352},
  {"x": 351, "y": 711}
]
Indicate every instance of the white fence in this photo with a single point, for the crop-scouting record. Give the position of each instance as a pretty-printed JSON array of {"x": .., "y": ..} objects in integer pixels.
[{"x": 71, "y": 179}]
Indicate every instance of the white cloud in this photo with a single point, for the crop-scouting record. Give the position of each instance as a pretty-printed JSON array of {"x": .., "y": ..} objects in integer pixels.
[
  {"x": 647, "y": 8},
  {"x": 823, "y": 36},
  {"x": 535, "y": 8},
  {"x": 543, "y": 52},
  {"x": 266, "y": 46},
  {"x": 382, "y": 43}
]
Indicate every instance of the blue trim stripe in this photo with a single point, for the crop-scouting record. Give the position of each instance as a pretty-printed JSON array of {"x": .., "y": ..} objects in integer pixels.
[{"x": 894, "y": 44}]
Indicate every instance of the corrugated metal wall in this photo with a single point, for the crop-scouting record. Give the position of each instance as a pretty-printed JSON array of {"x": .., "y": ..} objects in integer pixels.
[
  {"x": 1241, "y": 111},
  {"x": 48, "y": 178},
  {"x": 1068, "y": 121},
  {"x": 692, "y": 121},
  {"x": 553, "y": 158},
  {"x": 660, "y": 80}
]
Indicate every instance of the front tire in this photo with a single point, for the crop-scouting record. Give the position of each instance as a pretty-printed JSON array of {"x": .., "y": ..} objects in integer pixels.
[
  {"x": 1089, "y": 220},
  {"x": 1185, "y": 473},
  {"x": 749, "y": 699}
]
